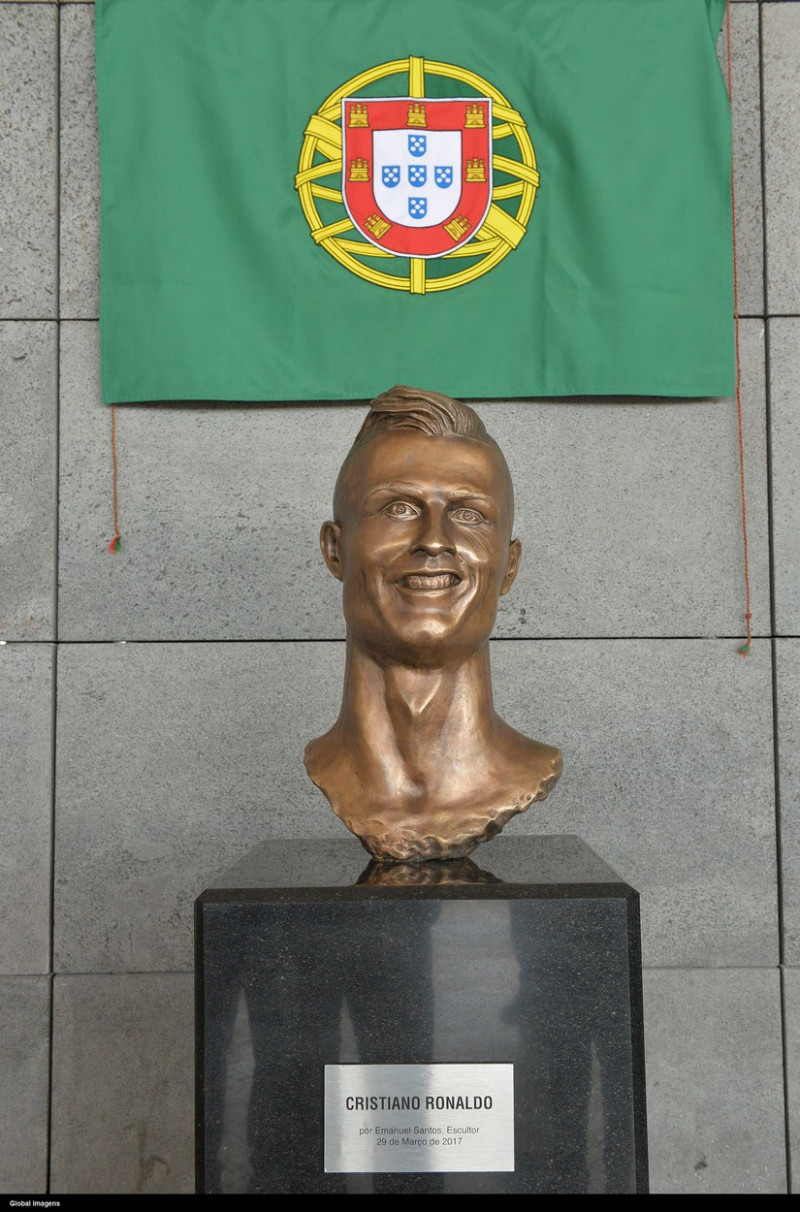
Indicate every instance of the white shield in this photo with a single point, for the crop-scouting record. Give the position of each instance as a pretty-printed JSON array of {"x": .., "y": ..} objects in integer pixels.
[{"x": 417, "y": 174}]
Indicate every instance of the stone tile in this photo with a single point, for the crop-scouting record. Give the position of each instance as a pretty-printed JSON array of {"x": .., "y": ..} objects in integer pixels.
[
  {"x": 784, "y": 347},
  {"x": 220, "y": 509},
  {"x": 174, "y": 760},
  {"x": 791, "y": 1010},
  {"x": 787, "y": 657},
  {"x": 668, "y": 776},
  {"x": 714, "y": 1082},
  {"x": 746, "y": 62},
  {"x": 618, "y": 506},
  {"x": 123, "y": 1082},
  {"x": 80, "y": 167},
  {"x": 28, "y": 103},
  {"x": 24, "y": 1055},
  {"x": 28, "y": 471},
  {"x": 781, "y": 57},
  {"x": 26, "y": 690}
]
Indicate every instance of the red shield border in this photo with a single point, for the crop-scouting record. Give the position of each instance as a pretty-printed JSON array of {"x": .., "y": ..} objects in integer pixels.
[{"x": 472, "y": 116}]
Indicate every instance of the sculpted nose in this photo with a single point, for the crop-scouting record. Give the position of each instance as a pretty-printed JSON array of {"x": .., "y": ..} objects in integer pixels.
[{"x": 434, "y": 537}]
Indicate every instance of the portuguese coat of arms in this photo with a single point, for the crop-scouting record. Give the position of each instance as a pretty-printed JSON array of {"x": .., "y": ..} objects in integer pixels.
[
  {"x": 417, "y": 175},
  {"x": 435, "y": 191}
]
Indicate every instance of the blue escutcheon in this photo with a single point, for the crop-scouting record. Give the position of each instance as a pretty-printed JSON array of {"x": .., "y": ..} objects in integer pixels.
[
  {"x": 417, "y": 144},
  {"x": 417, "y": 207},
  {"x": 417, "y": 175},
  {"x": 390, "y": 175}
]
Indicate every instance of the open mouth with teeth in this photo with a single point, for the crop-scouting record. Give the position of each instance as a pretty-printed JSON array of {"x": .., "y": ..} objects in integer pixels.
[{"x": 430, "y": 580}]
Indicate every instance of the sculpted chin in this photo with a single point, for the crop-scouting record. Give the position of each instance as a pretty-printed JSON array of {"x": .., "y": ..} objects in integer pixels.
[{"x": 419, "y": 765}]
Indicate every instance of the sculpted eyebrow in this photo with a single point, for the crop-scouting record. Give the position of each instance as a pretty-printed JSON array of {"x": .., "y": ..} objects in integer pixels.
[
  {"x": 457, "y": 494},
  {"x": 394, "y": 488}
]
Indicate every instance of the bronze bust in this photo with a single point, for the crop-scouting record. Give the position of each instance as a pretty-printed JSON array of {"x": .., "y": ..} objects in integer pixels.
[{"x": 418, "y": 765}]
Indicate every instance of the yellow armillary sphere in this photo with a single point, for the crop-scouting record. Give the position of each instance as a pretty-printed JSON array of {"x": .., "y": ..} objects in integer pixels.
[{"x": 421, "y": 187}]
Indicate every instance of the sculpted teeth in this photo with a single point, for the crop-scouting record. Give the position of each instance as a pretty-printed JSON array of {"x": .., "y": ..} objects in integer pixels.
[{"x": 442, "y": 580}]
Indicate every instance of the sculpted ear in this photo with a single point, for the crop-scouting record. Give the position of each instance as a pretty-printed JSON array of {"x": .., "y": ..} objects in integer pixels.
[
  {"x": 329, "y": 543},
  {"x": 514, "y": 557}
]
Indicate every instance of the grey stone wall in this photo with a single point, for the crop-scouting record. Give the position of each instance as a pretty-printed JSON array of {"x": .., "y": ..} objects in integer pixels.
[{"x": 154, "y": 704}]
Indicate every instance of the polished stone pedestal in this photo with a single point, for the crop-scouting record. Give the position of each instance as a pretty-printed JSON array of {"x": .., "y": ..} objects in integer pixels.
[{"x": 528, "y": 956}]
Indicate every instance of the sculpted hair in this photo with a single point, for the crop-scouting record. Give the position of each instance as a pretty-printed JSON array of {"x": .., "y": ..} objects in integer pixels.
[{"x": 429, "y": 413}]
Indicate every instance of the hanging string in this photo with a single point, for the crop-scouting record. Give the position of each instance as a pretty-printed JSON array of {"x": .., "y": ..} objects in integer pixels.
[
  {"x": 116, "y": 542},
  {"x": 745, "y": 648}
]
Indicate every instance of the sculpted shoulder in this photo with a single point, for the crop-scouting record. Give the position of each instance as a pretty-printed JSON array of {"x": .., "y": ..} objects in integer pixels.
[
  {"x": 540, "y": 761},
  {"x": 395, "y": 826},
  {"x": 326, "y": 762}
]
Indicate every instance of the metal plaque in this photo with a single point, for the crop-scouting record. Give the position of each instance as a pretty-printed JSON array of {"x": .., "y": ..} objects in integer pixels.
[{"x": 414, "y": 1118}]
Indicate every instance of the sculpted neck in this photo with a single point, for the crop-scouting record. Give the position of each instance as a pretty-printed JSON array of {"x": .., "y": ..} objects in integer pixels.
[
  {"x": 419, "y": 766},
  {"x": 416, "y": 724}
]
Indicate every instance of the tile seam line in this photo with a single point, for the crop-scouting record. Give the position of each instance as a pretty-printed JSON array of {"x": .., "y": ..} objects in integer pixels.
[
  {"x": 779, "y": 886},
  {"x": 500, "y": 639},
  {"x": 54, "y": 651},
  {"x": 744, "y": 315},
  {"x": 786, "y": 1095},
  {"x": 59, "y": 974},
  {"x": 94, "y": 972}
]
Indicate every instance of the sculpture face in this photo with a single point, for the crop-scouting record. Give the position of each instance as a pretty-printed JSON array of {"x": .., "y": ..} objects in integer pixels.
[{"x": 423, "y": 546}]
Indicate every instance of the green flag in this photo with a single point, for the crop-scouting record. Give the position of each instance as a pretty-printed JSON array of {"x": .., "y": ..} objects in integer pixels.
[{"x": 315, "y": 199}]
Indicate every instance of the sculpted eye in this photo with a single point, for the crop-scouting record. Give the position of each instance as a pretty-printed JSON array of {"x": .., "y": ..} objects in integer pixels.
[
  {"x": 401, "y": 509},
  {"x": 470, "y": 516}
]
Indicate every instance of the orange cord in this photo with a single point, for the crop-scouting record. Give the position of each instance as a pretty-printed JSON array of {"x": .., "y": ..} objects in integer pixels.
[
  {"x": 745, "y": 648},
  {"x": 116, "y": 542}
]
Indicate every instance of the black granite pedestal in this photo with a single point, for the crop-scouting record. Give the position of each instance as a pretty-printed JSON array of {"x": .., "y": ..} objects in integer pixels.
[{"x": 523, "y": 965}]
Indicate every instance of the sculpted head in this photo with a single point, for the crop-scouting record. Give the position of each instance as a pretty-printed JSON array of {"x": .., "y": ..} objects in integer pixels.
[
  {"x": 422, "y": 533},
  {"x": 418, "y": 764}
]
